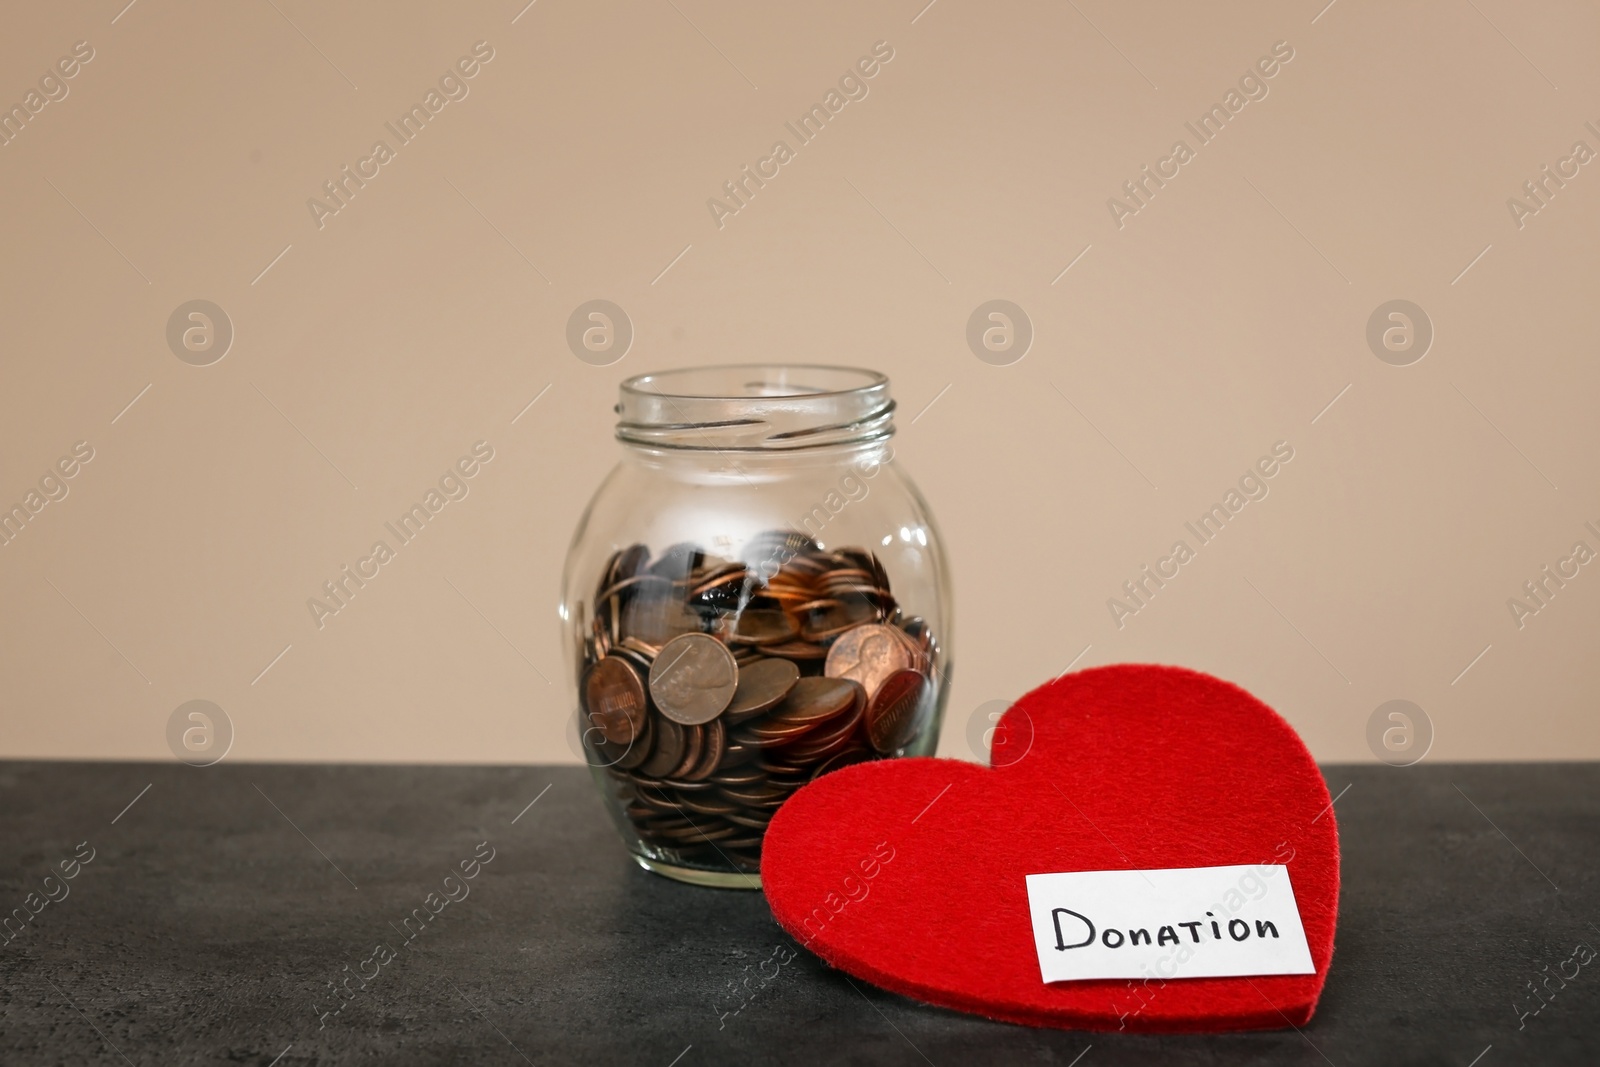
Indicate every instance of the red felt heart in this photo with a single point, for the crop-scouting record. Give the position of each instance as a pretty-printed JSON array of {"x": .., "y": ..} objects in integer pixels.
[{"x": 910, "y": 873}]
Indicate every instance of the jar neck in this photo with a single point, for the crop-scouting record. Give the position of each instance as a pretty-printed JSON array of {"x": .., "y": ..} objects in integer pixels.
[
  {"x": 760, "y": 466},
  {"x": 755, "y": 409}
]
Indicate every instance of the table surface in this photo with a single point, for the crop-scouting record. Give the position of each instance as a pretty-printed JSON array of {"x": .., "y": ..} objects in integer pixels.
[{"x": 222, "y": 903}]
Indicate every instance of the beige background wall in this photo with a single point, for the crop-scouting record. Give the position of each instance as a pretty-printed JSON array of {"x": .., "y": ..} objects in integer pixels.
[{"x": 373, "y": 351}]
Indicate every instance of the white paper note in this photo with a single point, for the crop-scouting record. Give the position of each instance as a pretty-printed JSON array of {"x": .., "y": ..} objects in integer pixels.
[{"x": 1177, "y": 922}]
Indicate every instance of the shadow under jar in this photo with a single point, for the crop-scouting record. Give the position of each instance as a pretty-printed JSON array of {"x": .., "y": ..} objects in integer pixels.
[{"x": 755, "y": 596}]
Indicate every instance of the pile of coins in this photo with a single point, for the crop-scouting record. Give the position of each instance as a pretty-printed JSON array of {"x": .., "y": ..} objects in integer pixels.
[{"x": 712, "y": 689}]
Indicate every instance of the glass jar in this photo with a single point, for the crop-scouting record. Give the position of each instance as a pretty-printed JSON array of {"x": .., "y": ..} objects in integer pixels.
[{"x": 755, "y": 596}]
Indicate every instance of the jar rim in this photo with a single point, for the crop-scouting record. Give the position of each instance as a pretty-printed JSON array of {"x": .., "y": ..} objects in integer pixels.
[{"x": 755, "y": 407}]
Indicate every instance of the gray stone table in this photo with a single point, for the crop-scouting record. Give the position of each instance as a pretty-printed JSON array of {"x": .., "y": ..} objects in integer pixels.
[{"x": 217, "y": 906}]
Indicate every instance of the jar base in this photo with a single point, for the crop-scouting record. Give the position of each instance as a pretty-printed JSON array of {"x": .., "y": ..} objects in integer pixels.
[{"x": 693, "y": 876}]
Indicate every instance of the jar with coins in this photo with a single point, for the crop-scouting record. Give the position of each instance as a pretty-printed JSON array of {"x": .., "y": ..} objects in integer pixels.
[{"x": 756, "y": 596}]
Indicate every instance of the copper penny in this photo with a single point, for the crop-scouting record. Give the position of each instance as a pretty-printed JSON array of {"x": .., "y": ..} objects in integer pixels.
[
  {"x": 769, "y": 734},
  {"x": 614, "y": 698},
  {"x": 737, "y": 776},
  {"x": 655, "y": 620},
  {"x": 767, "y": 626},
  {"x": 683, "y": 785},
  {"x": 764, "y": 795},
  {"x": 656, "y": 799},
  {"x": 823, "y": 742},
  {"x": 892, "y": 713},
  {"x": 720, "y": 591},
  {"x": 751, "y": 819},
  {"x": 677, "y": 561},
  {"x": 844, "y": 759},
  {"x": 738, "y": 753},
  {"x": 636, "y": 586},
  {"x": 608, "y": 573},
  {"x": 772, "y": 735},
  {"x": 813, "y": 700},
  {"x": 693, "y": 679},
  {"x": 602, "y": 753},
  {"x": 816, "y": 708},
  {"x": 708, "y": 580},
  {"x": 642, "y": 746},
  {"x": 762, "y": 686},
  {"x": 799, "y": 650},
  {"x": 836, "y": 616},
  {"x": 668, "y": 753},
  {"x": 636, "y": 753},
  {"x": 693, "y": 744},
  {"x": 713, "y": 744},
  {"x": 710, "y": 804},
  {"x": 832, "y": 736},
  {"x": 789, "y": 596},
  {"x": 870, "y": 654},
  {"x": 640, "y": 649},
  {"x": 776, "y": 547}
]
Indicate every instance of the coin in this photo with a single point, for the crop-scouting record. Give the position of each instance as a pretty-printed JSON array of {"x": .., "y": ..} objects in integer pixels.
[
  {"x": 738, "y": 753},
  {"x": 811, "y": 703},
  {"x": 773, "y": 734},
  {"x": 832, "y": 736},
  {"x": 694, "y": 739},
  {"x": 770, "y": 550},
  {"x": 796, "y": 650},
  {"x": 831, "y": 616},
  {"x": 762, "y": 686},
  {"x": 640, "y": 750},
  {"x": 869, "y": 654},
  {"x": 656, "y": 619},
  {"x": 745, "y": 655},
  {"x": 764, "y": 627},
  {"x": 713, "y": 744},
  {"x": 647, "y": 652},
  {"x": 677, "y": 561},
  {"x": 852, "y": 575},
  {"x": 783, "y": 772},
  {"x": 693, "y": 679},
  {"x": 656, "y": 802},
  {"x": 737, "y": 776},
  {"x": 825, "y": 741},
  {"x": 755, "y": 820},
  {"x": 879, "y": 576},
  {"x": 720, "y": 590},
  {"x": 892, "y": 713},
  {"x": 762, "y": 795},
  {"x": 605, "y": 753},
  {"x": 614, "y": 697},
  {"x": 710, "y": 804},
  {"x": 600, "y": 636},
  {"x": 627, "y": 588},
  {"x": 816, "y": 699},
  {"x": 843, "y": 759},
  {"x": 640, "y": 664},
  {"x": 669, "y": 748},
  {"x": 864, "y": 560}
]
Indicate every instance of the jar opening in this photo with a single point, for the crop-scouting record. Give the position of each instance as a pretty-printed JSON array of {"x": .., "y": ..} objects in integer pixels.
[{"x": 755, "y": 407}]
